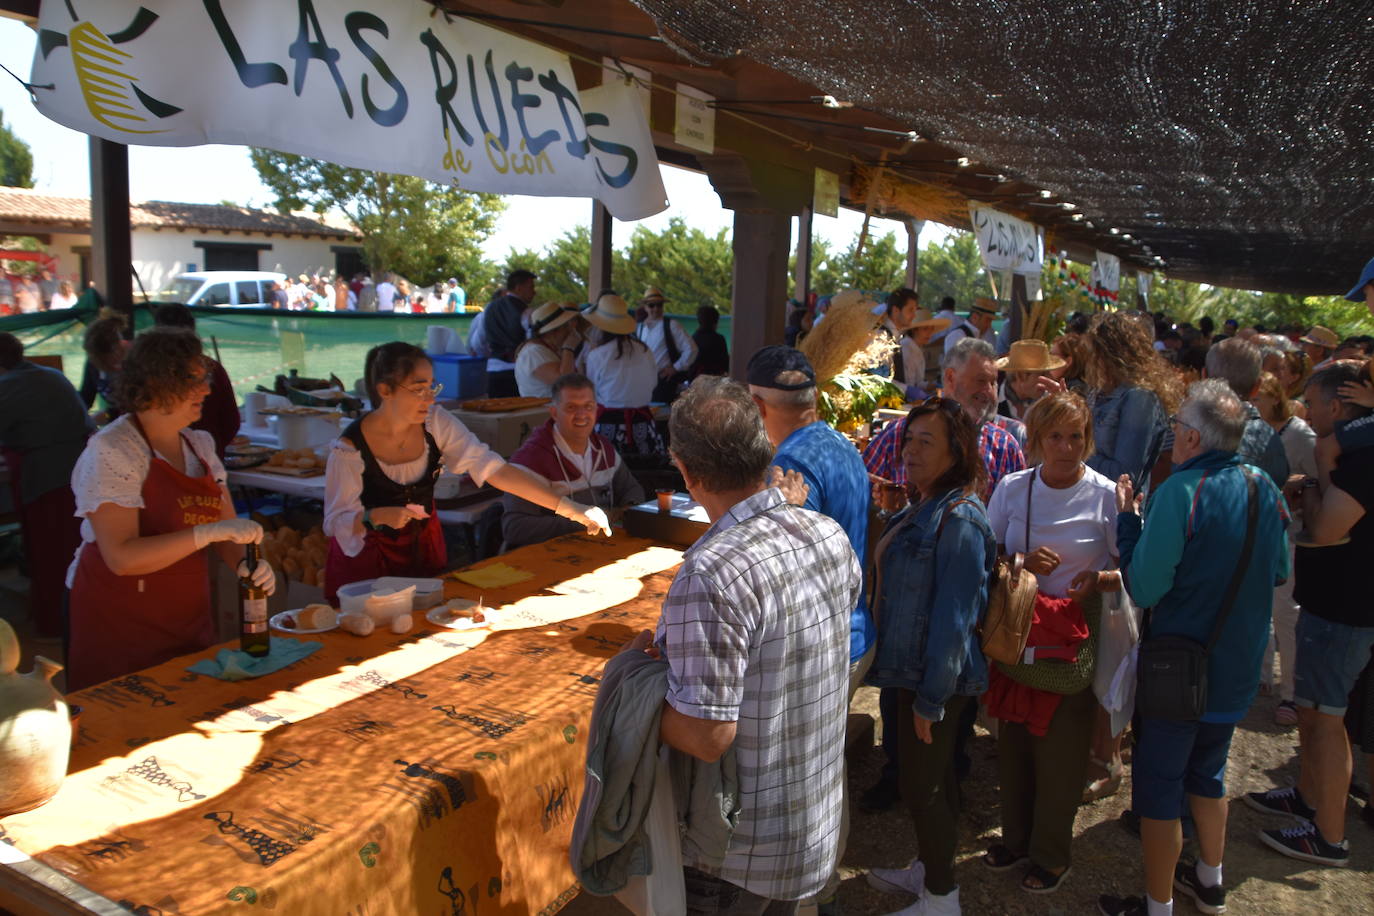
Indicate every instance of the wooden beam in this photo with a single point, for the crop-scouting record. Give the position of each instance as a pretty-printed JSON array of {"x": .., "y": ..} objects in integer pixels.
[
  {"x": 913, "y": 251},
  {"x": 599, "y": 269},
  {"x": 111, "y": 243},
  {"x": 758, "y": 305}
]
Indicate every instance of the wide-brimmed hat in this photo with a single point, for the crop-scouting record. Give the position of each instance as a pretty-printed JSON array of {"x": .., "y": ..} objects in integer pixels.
[
  {"x": 552, "y": 315},
  {"x": 1029, "y": 355},
  {"x": 610, "y": 314},
  {"x": 1321, "y": 337},
  {"x": 651, "y": 294},
  {"x": 925, "y": 320},
  {"x": 986, "y": 306}
]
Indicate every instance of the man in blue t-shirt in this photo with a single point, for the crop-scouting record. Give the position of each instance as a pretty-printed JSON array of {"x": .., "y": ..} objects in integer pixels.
[{"x": 783, "y": 385}]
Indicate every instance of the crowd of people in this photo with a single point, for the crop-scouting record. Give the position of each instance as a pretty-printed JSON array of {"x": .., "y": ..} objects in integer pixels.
[
  {"x": 1121, "y": 465},
  {"x": 41, "y": 291}
]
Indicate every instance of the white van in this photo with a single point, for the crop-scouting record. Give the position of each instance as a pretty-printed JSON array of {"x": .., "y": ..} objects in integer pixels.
[{"x": 225, "y": 288}]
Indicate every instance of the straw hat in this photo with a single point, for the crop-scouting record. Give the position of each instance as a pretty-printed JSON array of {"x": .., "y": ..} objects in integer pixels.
[
  {"x": 1029, "y": 355},
  {"x": 610, "y": 314},
  {"x": 986, "y": 306},
  {"x": 552, "y": 315},
  {"x": 1321, "y": 337},
  {"x": 651, "y": 294},
  {"x": 924, "y": 320}
]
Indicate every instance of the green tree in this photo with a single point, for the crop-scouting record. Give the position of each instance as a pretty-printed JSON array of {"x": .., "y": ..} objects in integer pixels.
[
  {"x": 952, "y": 268},
  {"x": 689, "y": 266},
  {"x": 16, "y": 160},
  {"x": 565, "y": 266},
  {"x": 422, "y": 230}
]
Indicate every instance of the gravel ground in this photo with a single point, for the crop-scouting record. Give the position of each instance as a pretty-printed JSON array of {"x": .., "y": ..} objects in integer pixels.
[{"x": 1106, "y": 858}]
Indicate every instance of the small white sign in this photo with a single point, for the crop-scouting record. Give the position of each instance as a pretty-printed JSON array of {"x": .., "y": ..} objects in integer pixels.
[
  {"x": 642, "y": 80},
  {"x": 696, "y": 119},
  {"x": 1007, "y": 243},
  {"x": 1107, "y": 272}
]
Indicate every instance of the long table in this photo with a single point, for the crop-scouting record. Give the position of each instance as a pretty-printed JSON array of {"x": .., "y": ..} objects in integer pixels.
[{"x": 434, "y": 772}]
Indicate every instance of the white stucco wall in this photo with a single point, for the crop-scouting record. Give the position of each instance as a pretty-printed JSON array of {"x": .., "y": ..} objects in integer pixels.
[
  {"x": 61, "y": 246},
  {"x": 160, "y": 254}
]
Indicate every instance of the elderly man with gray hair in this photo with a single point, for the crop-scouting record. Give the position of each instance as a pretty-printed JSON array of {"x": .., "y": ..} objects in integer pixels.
[
  {"x": 756, "y": 633},
  {"x": 1238, "y": 363},
  {"x": 1201, "y": 520}
]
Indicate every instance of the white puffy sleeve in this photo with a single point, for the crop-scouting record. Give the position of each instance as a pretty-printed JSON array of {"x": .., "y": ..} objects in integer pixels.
[
  {"x": 463, "y": 453},
  {"x": 112, "y": 469},
  {"x": 343, "y": 495}
]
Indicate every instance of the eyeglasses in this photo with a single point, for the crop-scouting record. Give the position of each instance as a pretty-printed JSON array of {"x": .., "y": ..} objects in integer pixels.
[
  {"x": 1176, "y": 420},
  {"x": 948, "y": 405},
  {"x": 425, "y": 392}
]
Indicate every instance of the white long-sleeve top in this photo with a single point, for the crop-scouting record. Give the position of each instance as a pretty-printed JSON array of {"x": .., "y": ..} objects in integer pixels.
[
  {"x": 460, "y": 453},
  {"x": 651, "y": 332}
]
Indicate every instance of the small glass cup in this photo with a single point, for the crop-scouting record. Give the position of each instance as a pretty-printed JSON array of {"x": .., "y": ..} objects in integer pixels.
[{"x": 665, "y": 500}]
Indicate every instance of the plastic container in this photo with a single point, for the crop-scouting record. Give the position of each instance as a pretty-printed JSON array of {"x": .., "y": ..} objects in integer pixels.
[
  {"x": 353, "y": 596},
  {"x": 428, "y": 592},
  {"x": 307, "y": 431},
  {"x": 463, "y": 377},
  {"x": 384, "y": 605}
]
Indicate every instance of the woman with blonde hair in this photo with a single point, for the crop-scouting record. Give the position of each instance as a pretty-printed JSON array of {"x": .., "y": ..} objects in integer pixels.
[
  {"x": 1071, "y": 349},
  {"x": 1061, "y": 514},
  {"x": 1293, "y": 374}
]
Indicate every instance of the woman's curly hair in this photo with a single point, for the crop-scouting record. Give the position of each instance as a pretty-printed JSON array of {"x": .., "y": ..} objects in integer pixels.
[
  {"x": 162, "y": 367},
  {"x": 1120, "y": 352}
]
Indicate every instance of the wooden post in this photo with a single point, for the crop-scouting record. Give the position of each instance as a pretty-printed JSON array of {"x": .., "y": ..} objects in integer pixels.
[
  {"x": 599, "y": 270},
  {"x": 111, "y": 245},
  {"x": 913, "y": 251},
  {"x": 758, "y": 305},
  {"x": 801, "y": 279},
  {"x": 1020, "y": 306}
]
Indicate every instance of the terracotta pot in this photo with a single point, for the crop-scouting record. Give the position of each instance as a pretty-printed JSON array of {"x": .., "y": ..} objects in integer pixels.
[{"x": 35, "y": 730}]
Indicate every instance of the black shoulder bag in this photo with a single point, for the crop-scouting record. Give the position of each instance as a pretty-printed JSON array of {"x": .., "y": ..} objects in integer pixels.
[{"x": 1171, "y": 670}]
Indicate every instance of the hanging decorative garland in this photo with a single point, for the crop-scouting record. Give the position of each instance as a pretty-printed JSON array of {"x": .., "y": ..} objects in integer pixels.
[{"x": 1099, "y": 296}]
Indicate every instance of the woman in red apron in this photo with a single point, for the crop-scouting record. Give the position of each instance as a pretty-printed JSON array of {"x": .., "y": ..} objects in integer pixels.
[
  {"x": 379, "y": 485},
  {"x": 152, "y": 497}
]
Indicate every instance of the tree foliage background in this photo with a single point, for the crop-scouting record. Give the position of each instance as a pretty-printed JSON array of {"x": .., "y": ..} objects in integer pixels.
[
  {"x": 16, "y": 159},
  {"x": 424, "y": 231}
]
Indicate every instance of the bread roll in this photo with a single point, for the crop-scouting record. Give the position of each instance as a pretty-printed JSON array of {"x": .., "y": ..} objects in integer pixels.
[
  {"x": 316, "y": 616},
  {"x": 357, "y": 624}
]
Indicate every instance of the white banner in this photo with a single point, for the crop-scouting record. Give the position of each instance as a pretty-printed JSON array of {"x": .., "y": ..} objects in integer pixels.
[
  {"x": 1107, "y": 272},
  {"x": 1007, "y": 243},
  {"x": 370, "y": 84}
]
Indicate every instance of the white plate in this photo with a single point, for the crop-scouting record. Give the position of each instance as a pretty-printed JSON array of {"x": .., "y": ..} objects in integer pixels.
[
  {"x": 276, "y": 619},
  {"x": 439, "y": 617}
]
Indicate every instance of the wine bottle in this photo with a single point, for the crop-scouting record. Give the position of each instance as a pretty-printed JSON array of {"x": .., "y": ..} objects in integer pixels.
[{"x": 253, "y": 636}]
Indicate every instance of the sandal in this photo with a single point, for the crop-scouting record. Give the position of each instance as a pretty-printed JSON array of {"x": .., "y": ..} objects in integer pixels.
[
  {"x": 1000, "y": 858},
  {"x": 1047, "y": 882},
  {"x": 1107, "y": 785},
  {"x": 1286, "y": 713}
]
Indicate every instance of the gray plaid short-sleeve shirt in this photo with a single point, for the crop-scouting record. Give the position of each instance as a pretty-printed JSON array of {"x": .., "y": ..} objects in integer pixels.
[{"x": 755, "y": 629}]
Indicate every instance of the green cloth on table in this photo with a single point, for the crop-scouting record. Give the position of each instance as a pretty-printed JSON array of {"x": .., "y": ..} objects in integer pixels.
[{"x": 236, "y": 665}]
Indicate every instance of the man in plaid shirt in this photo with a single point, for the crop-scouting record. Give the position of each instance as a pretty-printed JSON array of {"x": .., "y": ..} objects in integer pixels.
[{"x": 755, "y": 629}]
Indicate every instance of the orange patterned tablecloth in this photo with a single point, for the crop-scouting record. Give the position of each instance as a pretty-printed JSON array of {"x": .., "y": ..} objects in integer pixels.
[{"x": 436, "y": 772}]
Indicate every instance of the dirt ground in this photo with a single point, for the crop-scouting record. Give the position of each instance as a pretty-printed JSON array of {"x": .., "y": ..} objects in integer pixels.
[{"x": 1106, "y": 858}]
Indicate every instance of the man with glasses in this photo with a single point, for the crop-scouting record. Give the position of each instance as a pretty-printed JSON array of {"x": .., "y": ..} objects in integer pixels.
[
  {"x": 572, "y": 460},
  {"x": 673, "y": 349}
]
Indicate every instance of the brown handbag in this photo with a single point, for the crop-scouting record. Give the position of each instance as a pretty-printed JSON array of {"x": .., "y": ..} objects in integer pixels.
[{"x": 1011, "y": 601}]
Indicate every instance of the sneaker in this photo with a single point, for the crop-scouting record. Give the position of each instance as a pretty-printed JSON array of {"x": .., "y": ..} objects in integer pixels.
[
  {"x": 1286, "y": 714},
  {"x": 909, "y": 880},
  {"x": 1305, "y": 842},
  {"x": 1287, "y": 800},
  {"x": 1108, "y": 905},
  {"x": 1206, "y": 899},
  {"x": 933, "y": 905}
]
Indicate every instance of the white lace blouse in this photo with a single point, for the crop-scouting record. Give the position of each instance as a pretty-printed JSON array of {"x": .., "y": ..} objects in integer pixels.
[
  {"x": 460, "y": 453},
  {"x": 115, "y": 464}
]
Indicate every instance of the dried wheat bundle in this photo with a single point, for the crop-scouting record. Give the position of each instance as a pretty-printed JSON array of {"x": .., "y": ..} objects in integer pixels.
[{"x": 845, "y": 339}]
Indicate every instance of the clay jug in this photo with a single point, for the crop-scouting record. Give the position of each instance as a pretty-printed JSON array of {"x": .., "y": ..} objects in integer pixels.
[{"x": 35, "y": 731}]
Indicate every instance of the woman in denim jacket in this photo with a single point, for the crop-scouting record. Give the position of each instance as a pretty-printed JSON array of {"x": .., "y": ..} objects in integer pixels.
[
  {"x": 930, "y": 589},
  {"x": 1133, "y": 391}
]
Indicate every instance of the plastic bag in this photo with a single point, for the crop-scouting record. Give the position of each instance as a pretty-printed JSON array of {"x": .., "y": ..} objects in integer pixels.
[
  {"x": 1118, "y": 638},
  {"x": 662, "y": 891}
]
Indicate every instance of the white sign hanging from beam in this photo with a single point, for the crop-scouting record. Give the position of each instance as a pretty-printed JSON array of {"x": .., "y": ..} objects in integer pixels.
[
  {"x": 370, "y": 84},
  {"x": 1007, "y": 243}
]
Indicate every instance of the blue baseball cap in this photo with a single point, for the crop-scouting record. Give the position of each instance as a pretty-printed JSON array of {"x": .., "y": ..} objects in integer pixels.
[{"x": 1366, "y": 278}]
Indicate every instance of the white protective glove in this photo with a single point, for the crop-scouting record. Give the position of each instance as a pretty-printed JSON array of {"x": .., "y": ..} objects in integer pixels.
[
  {"x": 238, "y": 530},
  {"x": 263, "y": 577},
  {"x": 592, "y": 517}
]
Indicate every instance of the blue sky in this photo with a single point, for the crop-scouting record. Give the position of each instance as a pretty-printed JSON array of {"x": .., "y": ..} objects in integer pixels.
[{"x": 209, "y": 174}]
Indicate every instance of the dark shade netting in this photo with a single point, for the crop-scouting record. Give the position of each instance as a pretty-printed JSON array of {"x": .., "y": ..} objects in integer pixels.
[{"x": 1234, "y": 138}]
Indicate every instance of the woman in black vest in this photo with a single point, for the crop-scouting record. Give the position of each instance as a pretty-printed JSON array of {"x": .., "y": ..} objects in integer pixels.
[{"x": 379, "y": 486}]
